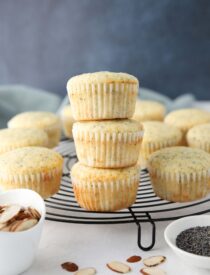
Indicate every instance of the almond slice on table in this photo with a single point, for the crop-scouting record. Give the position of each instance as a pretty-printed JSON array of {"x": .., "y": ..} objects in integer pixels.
[
  {"x": 86, "y": 271},
  {"x": 25, "y": 224},
  {"x": 152, "y": 271},
  {"x": 134, "y": 259},
  {"x": 9, "y": 213},
  {"x": 154, "y": 261},
  {"x": 119, "y": 267}
]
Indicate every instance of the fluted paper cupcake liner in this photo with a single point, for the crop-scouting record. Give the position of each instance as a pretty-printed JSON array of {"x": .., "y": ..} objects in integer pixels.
[
  {"x": 180, "y": 187},
  {"x": 44, "y": 183},
  {"x": 107, "y": 150},
  {"x": 103, "y": 101},
  {"x": 106, "y": 195}
]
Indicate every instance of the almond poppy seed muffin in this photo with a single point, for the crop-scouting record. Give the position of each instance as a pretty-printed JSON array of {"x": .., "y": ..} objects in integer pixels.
[
  {"x": 15, "y": 138},
  {"x": 185, "y": 119},
  {"x": 157, "y": 135},
  {"x": 35, "y": 168},
  {"x": 102, "y": 95},
  {"x": 109, "y": 143},
  {"x": 104, "y": 189},
  {"x": 180, "y": 174},
  {"x": 147, "y": 110},
  {"x": 199, "y": 137},
  {"x": 46, "y": 121}
]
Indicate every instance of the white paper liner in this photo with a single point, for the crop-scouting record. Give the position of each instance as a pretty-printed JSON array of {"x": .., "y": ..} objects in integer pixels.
[
  {"x": 107, "y": 150},
  {"x": 103, "y": 101},
  {"x": 106, "y": 195}
]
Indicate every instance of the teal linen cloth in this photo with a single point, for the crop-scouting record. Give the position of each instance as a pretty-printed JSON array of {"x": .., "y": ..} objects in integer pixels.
[{"x": 15, "y": 99}]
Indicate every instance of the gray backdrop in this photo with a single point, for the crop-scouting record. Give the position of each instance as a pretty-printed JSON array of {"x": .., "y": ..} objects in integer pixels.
[{"x": 166, "y": 43}]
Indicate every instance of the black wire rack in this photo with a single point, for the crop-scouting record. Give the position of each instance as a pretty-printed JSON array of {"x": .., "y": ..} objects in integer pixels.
[{"x": 148, "y": 208}]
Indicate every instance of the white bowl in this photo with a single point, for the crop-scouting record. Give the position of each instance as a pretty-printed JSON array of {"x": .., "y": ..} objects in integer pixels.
[
  {"x": 17, "y": 249},
  {"x": 176, "y": 227}
]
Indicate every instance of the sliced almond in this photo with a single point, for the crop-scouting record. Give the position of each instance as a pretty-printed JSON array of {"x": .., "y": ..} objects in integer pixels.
[
  {"x": 152, "y": 271},
  {"x": 119, "y": 267},
  {"x": 9, "y": 213},
  {"x": 154, "y": 261},
  {"x": 34, "y": 213},
  {"x": 86, "y": 271},
  {"x": 25, "y": 224},
  {"x": 134, "y": 259}
]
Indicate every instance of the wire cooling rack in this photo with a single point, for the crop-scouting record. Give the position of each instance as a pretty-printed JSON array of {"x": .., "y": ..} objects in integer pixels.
[{"x": 148, "y": 208}]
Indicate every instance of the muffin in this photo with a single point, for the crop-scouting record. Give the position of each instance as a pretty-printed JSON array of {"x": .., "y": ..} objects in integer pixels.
[
  {"x": 180, "y": 174},
  {"x": 157, "y": 135},
  {"x": 35, "y": 168},
  {"x": 46, "y": 121},
  {"x": 185, "y": 119},
  {"x": 104, "y": 189},
  {"x": 199, "y": 137},
  {"x": 147, "y": 110},
  {"x": 15, "y": 138},
  {"x": 109, "y": 143},
  {"x": 67, "y": 121},
  {"x": 102, "y": 95}
]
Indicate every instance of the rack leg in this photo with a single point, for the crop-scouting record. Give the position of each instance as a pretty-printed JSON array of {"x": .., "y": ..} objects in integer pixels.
[{"x": 153, "y": 235}]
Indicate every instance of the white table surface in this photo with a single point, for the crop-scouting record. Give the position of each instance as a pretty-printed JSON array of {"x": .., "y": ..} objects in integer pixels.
[{"x": 95, "y": 245}]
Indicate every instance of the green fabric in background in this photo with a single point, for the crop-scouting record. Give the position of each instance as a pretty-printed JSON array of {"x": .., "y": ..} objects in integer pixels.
[{"x": 15, "y": 99}]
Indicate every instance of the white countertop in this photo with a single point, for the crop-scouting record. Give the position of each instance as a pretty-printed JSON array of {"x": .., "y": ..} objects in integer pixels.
[{"x": 95, "y": 245}]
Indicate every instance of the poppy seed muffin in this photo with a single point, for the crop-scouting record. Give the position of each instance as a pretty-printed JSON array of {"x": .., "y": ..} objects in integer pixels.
[
  {"x": 102, "y": 95},
  {"x": 46, "y": 121},
  {"x": 147, "y": 110},
  {"x": 199, "y": 137},
  {"x": 180, "y": 174},
  {"x": 185, "y": 119},
  {"x": 157, "y": 135},
  {"x": 109, "y": 143},
  {"x": 105, "y": 189},
  {"x": 15, "y": 138},
  {"x": 35, "y": 168}
]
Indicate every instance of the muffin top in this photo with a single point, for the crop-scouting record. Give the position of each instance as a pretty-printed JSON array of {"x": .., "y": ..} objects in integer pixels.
[
  {"x": 185, "y": 119},
  {"x": 110, "y": 126},
  {"x": 200, "y": 133},
  {"x": 14, "y": 138},
  {"x": 156, "y": 131},
  {"x": 34, "y": 119},
  {"x": 83, "y": 172},
  {"x": 149, "y": 110},
  {"x": 180, "y": 160},
  {"x": 101, "y": 77},
  {"x": 29, "y": 160}
]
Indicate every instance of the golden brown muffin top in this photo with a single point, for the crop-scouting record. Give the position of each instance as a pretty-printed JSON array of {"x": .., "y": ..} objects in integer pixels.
[
  {"x": 200, "y": 133},
  {"x": 109, "y": 126},
  {"x": 157, "y": 131},
  {"x": 101, "y": 77},
  {"x": 184, "y": 119},
  {"x": 82, "y": 172},
  {"x": 28, "y": 160},
  {"x": 149, "y": 110},
  {"x": 14, "y": 138},
  {"x": 184, "y": 160},
  {"x": 34, "y": 119}
]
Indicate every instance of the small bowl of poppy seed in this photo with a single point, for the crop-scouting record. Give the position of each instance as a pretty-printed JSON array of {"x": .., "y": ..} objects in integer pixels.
[{"x": 189, "y": 238}]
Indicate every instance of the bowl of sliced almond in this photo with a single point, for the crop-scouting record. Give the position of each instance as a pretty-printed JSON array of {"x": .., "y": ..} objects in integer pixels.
[{"x": 22, "y": 214}]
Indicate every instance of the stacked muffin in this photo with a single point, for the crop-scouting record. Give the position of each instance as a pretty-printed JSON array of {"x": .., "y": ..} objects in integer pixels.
[{"x": 107, "y": 142}]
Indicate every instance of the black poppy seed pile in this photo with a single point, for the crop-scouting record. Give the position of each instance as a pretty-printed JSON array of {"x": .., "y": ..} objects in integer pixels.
[{"x": 195, "y": 240}]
